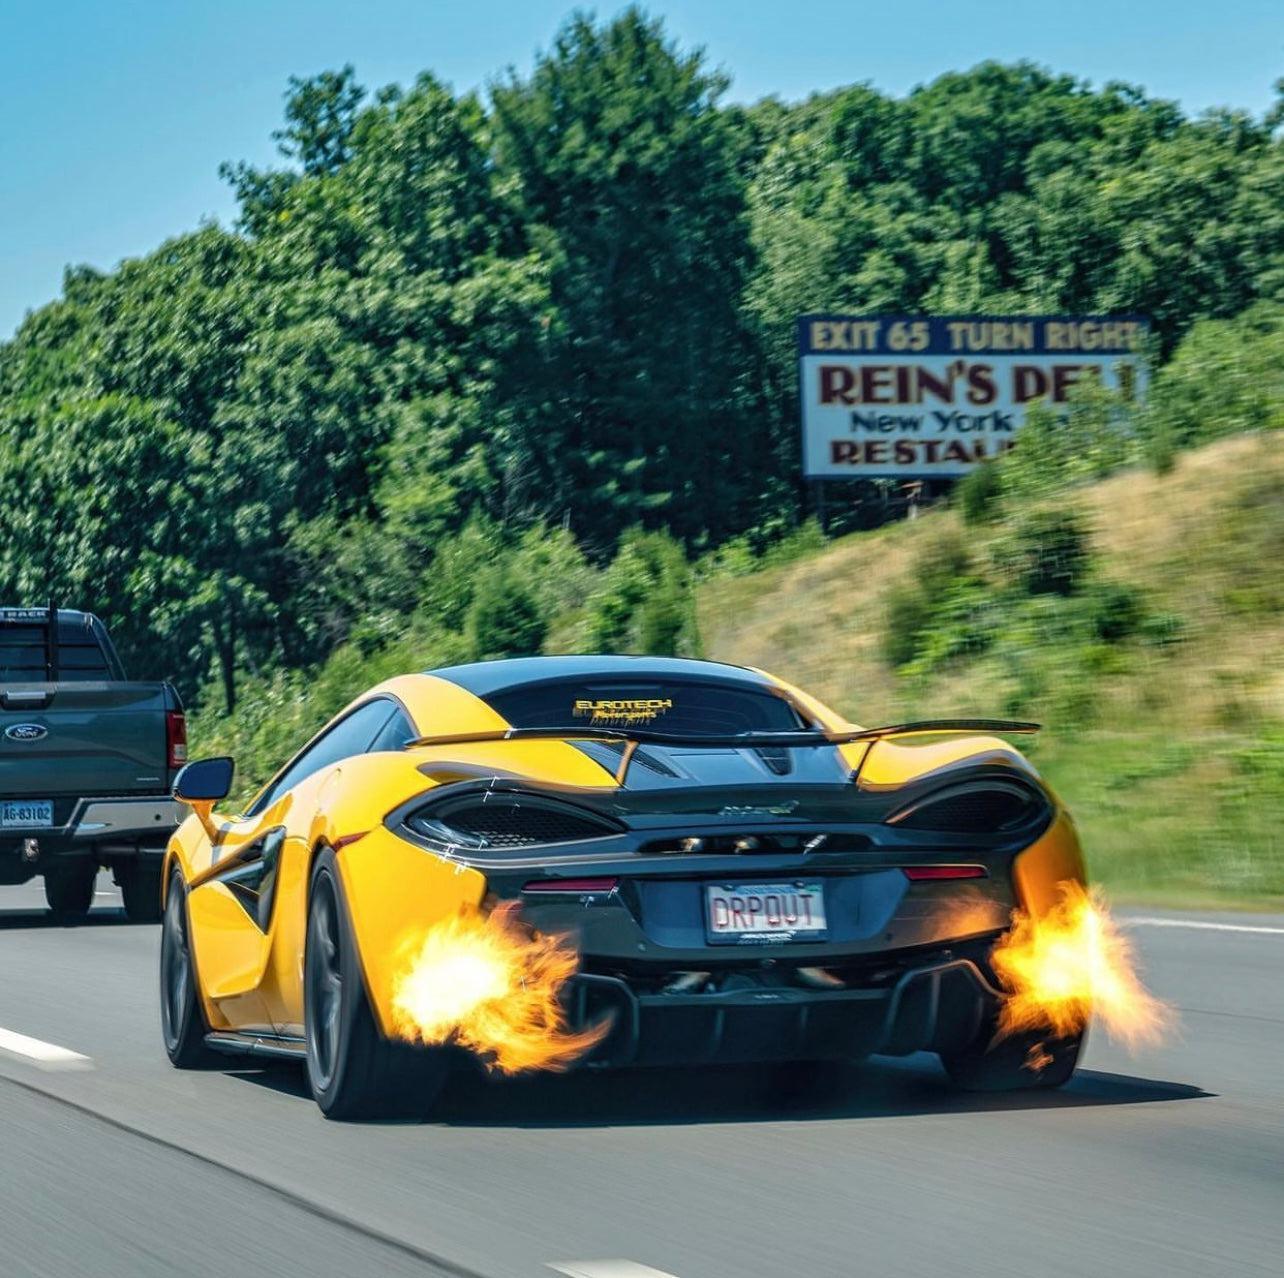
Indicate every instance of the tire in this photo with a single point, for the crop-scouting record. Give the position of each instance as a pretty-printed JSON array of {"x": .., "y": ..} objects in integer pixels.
[
  {"x": 140, "y": 888},
  {"x": 69, "y": 888},
  {"x": 183, "y": 1027},
  {"x": 1008, "y": 1065},
  {"x": 353, "y": 1071}
]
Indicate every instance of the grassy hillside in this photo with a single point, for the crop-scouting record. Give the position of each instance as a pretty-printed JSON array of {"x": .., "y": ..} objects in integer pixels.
[
  {"x": 1160, "y": 677},
  {"x": 1155, "y": 660}
]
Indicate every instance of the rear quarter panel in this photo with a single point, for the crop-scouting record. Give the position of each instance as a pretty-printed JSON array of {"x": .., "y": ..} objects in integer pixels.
[
  {"x": 1053, "y": 858},
  {"x": 392, "y": 889}
]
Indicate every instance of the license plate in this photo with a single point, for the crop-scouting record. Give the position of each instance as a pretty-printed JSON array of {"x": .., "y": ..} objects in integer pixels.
[
  {"x": 26, "y": 814},
  {"x": 749, "y": 913}
]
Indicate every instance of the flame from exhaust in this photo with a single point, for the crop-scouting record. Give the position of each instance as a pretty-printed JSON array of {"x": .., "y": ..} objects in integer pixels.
[
  {"x": 490, "y": 984},
  {"x": 1062, "y": 967}
]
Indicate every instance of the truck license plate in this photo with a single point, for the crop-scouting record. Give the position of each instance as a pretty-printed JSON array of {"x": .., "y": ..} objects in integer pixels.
[
  {"x": 26, "y": 814},
  {"x": 745, "y": 913}
]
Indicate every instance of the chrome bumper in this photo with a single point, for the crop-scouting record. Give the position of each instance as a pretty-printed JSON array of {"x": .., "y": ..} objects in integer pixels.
[{"x": 129, "y": 818}]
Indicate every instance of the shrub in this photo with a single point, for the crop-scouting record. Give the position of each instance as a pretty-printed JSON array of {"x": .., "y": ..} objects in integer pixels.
[
  {"x": 804, "y": 540},
  {"x": 503, "y": 620},
  {"x": 1115, "y": 611},
  {"x": 908, "y": 615},
  {"x": 1092, "y": 436},
  {"x": 645, "y": 601},
  {"x": 980, "y": 493},
  {"x": 941, "y": 562},
  {"x": 1162, "y": 629},
  {"x": 1224, "y": 377},
  {"x": 1051, "y": 553},
  {"x": 913, "y": 606}
]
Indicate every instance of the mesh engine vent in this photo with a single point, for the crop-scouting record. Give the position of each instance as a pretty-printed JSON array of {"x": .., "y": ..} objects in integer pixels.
[
  {"x": 978, "y": 811},
  {"x": 515, "y": 823}
]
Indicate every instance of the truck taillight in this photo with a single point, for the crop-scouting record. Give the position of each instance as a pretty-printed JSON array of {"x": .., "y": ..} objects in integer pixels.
[{"x": 175, "y": 738}]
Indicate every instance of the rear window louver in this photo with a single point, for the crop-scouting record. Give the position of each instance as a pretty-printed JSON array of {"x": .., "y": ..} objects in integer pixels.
[
  {"x": 776, "y": 760},
  {"x": 610, "y": 754}
]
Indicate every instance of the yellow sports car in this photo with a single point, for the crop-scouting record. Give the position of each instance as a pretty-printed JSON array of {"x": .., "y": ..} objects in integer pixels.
[{"x": 598, "y": 861}]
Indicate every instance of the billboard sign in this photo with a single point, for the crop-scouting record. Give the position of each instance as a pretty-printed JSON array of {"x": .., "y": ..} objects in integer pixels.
[{"x": 934, "y": 396}]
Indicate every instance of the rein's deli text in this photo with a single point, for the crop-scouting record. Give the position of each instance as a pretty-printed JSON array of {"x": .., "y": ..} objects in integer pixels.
[{"x": 886, "y": 395}]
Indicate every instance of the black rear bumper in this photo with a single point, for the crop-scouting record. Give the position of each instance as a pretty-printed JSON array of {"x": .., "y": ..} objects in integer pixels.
[
  {"x": 108, "y": 827},
  {"x": 939, "y": 1006}
]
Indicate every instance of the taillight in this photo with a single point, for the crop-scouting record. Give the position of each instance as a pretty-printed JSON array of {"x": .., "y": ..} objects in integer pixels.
[
  {"x": 175, "y": 739},
  {"x": 573, "y": 887},
  {"x": 919, "y": 873}
]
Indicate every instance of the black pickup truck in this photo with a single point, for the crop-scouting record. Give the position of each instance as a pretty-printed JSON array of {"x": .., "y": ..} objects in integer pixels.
[{"x": 87, "y": 758}]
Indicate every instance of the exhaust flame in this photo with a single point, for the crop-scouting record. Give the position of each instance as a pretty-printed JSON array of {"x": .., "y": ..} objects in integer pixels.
[
  {"x": 488, "y": 983},
  {"x": 1070, "y": 964}
]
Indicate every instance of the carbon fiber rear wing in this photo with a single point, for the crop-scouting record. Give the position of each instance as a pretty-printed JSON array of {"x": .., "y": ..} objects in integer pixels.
[
  {"x": 634, "y": 737},
  {"x": 748, "y": 740}
]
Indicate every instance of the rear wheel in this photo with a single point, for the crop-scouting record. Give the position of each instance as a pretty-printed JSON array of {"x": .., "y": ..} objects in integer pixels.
[
  {"x": 69, "y": 888},
  {"x": 353, "y": 1071},
  {"x": 1019, "y": 1062},
  {"x": 182, "y": 1021},
  {"x": 140, "y": 889}
]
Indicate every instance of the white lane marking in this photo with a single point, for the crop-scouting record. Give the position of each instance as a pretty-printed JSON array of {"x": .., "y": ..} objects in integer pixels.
[
  {"x": 1200, "y": 925},
  {"x": 44, "y": 1055},
  {"x": 607, "y": 1269}
]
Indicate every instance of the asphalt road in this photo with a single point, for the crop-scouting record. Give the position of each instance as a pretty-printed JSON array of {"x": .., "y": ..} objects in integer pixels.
[{"x": 1171, "y": 1162}]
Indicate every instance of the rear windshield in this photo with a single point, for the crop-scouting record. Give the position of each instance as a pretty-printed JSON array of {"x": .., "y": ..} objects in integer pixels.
[
  {"x": 685, "y": 709},
  {"x": 23, "y": 654}
]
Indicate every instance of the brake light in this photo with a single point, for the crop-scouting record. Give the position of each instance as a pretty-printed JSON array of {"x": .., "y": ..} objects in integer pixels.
[
  {"x": 920, "y": 873},
  {"x": 572, "y": 887},
  {"x": 175, "y": 739}
]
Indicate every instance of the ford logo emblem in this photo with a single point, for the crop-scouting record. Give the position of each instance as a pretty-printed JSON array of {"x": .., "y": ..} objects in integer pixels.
[{"x": 26, "y": 732}]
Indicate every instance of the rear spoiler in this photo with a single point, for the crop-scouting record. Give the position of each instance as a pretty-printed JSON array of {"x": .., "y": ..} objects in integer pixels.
[{"x": 634, "y": 737}]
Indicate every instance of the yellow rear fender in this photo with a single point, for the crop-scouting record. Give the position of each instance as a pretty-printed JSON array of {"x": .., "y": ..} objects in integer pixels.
[
  {"x": 394, "y": 893},
  {"x": 356, "y": 795},
  {"x": 393, "y": 890},
  {"x": 1052, "y": 859},
  {"x": 895, "y": 761}
]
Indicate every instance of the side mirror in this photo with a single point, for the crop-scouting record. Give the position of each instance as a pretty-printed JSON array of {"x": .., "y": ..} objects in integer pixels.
[{"x": 204, "y": 781}]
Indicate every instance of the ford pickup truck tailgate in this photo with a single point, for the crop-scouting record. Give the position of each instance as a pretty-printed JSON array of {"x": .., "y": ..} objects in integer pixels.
[{"x": 83, "y": 738}]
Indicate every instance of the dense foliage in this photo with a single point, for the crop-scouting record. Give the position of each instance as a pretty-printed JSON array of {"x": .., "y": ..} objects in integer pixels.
[{"x": 444, "y": 326}]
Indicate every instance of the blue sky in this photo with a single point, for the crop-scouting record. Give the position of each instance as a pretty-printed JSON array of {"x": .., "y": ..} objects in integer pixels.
[{"x": 116, "y": 113}]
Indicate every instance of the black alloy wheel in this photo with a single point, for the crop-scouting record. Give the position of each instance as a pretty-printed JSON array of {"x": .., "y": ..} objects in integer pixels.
[
  {"x": 353, "y": 1070},
  {"x": 324, "y": 988},
  {"x": 182, "y": 1021}
]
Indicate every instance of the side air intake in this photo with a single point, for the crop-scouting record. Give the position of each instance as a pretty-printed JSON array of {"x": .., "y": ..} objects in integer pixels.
[{"x": 981, "y": 808}]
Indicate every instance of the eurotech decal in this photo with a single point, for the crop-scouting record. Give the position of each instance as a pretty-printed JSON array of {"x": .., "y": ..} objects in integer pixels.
[{"x": 625, "y": 713}]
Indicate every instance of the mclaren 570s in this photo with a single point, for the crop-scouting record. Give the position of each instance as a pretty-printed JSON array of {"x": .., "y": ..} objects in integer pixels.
[{"x": 608, "y": 861}]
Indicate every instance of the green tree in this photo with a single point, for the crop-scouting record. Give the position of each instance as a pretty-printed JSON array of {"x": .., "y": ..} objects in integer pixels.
[
  {"x": 504, "y": 620},
  {"x": 626, "y": 174},
  {"x": 645, "y": 603}
]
